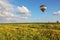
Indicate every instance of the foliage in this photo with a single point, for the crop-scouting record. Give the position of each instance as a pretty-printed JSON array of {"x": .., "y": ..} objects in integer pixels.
[{"x": 30, "y": 31}]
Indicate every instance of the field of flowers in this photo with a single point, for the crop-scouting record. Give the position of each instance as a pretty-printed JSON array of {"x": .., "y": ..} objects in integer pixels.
[{"x": 30, "y": 31}]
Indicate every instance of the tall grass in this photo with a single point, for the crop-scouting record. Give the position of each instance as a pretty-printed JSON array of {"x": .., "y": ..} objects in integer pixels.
[{"x": 29, "y": 31}]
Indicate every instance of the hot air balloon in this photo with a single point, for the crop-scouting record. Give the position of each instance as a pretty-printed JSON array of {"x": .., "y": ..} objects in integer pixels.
[{"x": 43, "y": 8}]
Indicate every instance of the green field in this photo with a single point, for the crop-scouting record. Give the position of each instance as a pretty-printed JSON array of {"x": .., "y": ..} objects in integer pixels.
[{"x": 30, "y": 31}]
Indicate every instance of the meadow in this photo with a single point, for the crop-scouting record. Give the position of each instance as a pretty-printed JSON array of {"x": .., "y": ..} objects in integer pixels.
[{"x": 29, "y": 31}]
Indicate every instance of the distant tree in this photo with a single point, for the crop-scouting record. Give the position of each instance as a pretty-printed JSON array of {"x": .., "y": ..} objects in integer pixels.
[{"x": 57, "y": 21}]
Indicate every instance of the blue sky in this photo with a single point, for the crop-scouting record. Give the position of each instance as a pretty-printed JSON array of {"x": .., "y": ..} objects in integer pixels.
[{"x": 52, "y": 13}]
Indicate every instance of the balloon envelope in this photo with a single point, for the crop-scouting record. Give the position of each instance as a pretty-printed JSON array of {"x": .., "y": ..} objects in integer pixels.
[{"x": 43, "y": 8}]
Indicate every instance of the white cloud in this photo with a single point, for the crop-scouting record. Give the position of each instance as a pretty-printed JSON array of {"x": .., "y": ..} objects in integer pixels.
[
  {"x": 23, "y": 10},
  {"x": 7, "y": 12},
  {"x": 57, "y": 13}
]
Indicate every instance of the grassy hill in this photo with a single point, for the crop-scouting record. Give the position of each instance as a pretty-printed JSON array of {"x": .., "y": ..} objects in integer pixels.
[{"x": 30, "y": 31}]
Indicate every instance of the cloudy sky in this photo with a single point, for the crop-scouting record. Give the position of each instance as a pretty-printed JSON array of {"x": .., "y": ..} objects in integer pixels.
[{"x": 12, "y": 11}]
